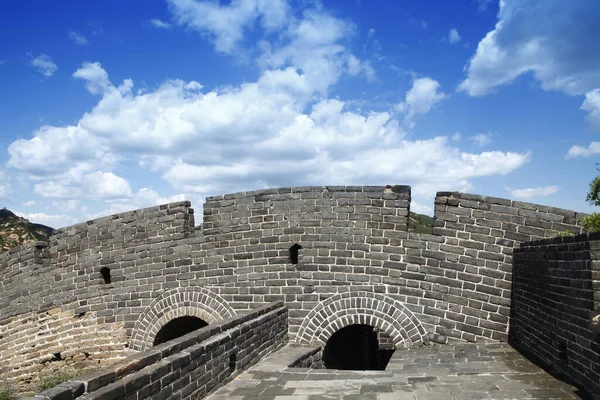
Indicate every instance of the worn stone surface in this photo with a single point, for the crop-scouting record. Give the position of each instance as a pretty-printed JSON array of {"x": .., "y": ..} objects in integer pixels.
[
  {"x": 187, "y": 367},
  {"x": 445, "y": 372}
]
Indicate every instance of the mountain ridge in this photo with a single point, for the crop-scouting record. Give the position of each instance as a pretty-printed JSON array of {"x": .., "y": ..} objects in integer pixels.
[{"x": 15, "y": 230}]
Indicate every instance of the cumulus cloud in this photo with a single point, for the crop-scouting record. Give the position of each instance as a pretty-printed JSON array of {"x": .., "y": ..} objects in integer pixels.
[
  {"x": 278, "y": 130},
  {"x": 328, "y": 144},
  {"x": 5, "y": 189},
  {"x": 78, "y": 38},
  {"x": 66, "y": 205},
  {"x": 581, "y": 151},
  {"x": 530, "y": 193},
  {"x": 44, "y": 64},
  {"x": 52, "y": 220},
  {"x": 95, "y": 76},
  {"x": 554, "y": 39},
  {"x": 157, "y": 23},
  {"x": 314, "y": 45},
  {"x": 52, "y": 149},
  {"x": 482, "y": 139},
  {"x": 225, "y": 24},
  {"x": 453, "y": 36},
  {"x": 421, "y": 98},
  {"x": 81, "y": 182},
  {"x": 592, "y": 106}
]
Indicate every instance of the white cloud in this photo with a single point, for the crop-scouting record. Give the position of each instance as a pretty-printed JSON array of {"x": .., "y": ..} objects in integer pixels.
[
  {"x": 453, "y": 36},
  {"x": 421, "y": 98},
  {"x": 95, "y": 76},
  {"x": 313, "y": 45},
  {"x": 30, "y": 203},
  {"x": 225, "y": 24},
  {"x": 66, "y": 205},
  {"x": 44, "y": 64},
  {"x": 279, "y": 130},
  {"x": 580, "y": 151},
  {"x": 482, "y": 5},
  {"x": 78, "y": 38},
  {"x": 5, "y": 189},
  {"x": 52, "y": 220},
  {"x": 554, "y": 39},
  {"x": 456, "y": 137},
  {"x": 531, "y": 193},
  {"x": 157, "y": 23},
  {"x": 146, "y": 197},
  {"x": 482, "y": 139},
  {"x": 233, "y": 129},
  {"x": 53, "y": 149},
  {"x": 82, "y": 182},
  {"x": 592, "y": 106},
  {"x": 421, "y": 208}
]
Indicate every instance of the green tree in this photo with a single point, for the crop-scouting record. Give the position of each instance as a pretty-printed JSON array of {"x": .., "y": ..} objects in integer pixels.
[{"x": 591, "y": 223}]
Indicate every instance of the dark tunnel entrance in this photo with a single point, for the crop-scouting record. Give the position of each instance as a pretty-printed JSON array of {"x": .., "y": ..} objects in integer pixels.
[
  {"x": 356, "y": 347},
  {"x": 178, "y": 327}
]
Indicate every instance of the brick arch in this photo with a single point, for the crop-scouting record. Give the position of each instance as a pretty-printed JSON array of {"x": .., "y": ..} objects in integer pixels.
[
  {"x": 377, "y": 310},
  {"x": 175, "y": 303}
]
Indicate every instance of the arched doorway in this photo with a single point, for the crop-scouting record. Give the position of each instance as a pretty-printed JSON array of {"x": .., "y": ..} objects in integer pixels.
[
  {"x": 178, "y": 327},
  {"x": 356, "y": 347}
]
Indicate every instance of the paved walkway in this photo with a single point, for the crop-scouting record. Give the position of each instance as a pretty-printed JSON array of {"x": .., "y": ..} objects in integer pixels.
[{"x": 452, "y": 372}]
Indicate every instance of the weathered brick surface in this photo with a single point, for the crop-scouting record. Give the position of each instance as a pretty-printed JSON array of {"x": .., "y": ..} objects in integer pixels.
[
  {"x": 188, "y": 367},
  {"x": 356, "y": 253},
  {"x": 556, "y": 296}
]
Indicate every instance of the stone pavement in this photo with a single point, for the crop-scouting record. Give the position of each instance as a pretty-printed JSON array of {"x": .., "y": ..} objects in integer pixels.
[{"x": 444, "y": 372}]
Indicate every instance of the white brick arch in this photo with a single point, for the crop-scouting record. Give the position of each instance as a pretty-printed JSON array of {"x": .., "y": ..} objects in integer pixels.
[
  {"x": 377, "y": 310},
  {"x": 190, "y": 301}
]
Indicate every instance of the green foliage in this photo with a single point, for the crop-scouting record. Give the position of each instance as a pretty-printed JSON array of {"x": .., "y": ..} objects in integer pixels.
[
  {"x": 593, "y": 195},
  {"x": 6, "y": 394},
  {"x": 420, "y": 223},
  {"x": 564, "y": 233},
  {"x": 591, "y": 223},
  {"x": 55, "y": 379}
]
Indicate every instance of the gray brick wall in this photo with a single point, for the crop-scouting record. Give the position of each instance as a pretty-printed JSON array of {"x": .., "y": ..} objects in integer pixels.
[
  {"x": 556, "y": 294},
  {"x": 454, "y": 285}
]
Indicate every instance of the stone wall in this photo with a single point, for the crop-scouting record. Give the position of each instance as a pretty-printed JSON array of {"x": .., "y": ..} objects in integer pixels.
[
  {"x": 556, "y": 295},
  {"x": 188, "y": 367},
  {"x": 57, "y": 313},
  {"x": 355, "y": 264}
]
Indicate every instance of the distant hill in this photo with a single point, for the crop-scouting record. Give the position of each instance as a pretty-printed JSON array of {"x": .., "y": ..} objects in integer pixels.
[
  {"x": 14, "y": 230},
  {"x": 420, "y": 223}
]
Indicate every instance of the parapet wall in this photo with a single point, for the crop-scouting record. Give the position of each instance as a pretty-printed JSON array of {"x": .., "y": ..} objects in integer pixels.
[
  {"x": 54, "y": 298},
  {"x": 556, "y": 288},
  {"x": 353, "y": 251}
]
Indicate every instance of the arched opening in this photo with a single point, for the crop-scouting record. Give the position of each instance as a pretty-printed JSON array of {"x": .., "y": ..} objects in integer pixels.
[
  {"x": 356, "y": 347},
  {"x": 178, "y": 327}
]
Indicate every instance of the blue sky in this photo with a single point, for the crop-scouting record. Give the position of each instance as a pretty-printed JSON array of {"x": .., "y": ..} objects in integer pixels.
[{"x": 107, "y": 106}]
